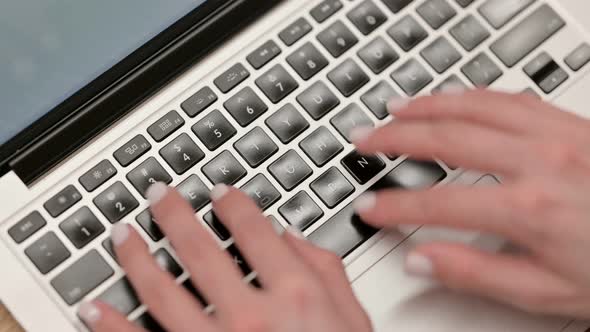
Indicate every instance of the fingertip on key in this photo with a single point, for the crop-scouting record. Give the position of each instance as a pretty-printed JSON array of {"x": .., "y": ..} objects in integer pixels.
[
  {"x": 360, "y": 134},
  {"x": 156, "y": 192}
]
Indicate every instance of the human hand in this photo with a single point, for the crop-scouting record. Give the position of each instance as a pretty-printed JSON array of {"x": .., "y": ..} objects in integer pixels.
[
  {"x": 304, "y": 288},
  {"x": 543, "y": 157}
]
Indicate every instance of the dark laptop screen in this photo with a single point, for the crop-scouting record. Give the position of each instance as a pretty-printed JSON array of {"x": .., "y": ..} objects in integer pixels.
[{"x": 52, "y": 48}]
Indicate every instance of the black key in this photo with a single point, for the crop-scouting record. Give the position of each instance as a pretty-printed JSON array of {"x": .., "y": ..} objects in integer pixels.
[
  {"x": 188, "y": 285},
  {"x": 407, "y": 33},
  {"x": 116, "y": 202},
  {"x": 363, "y": 168},
  {"x": 132, "y": 150},
  {"x": 290, "y": 170},
  {"x": 464, "y": 3},
  {"x": 62, "y": 201},
  {"x": 540, "y": 66},
  {"x": 325, "y": 9},
  {"x": 82, "y": 277},
  {"x": 261, "y": 191},
  {"x": 194, "y": 191},
  {"x": 579, "y": 57},
  {"x": 301, "y": 211},
  {"x": 291, "y": 34},
  {"x": 287, "y": 123},
  {"x": 225, "y": 169},
  {"x": 470, "y": 32},
  {"x": 214, "y": 130},
  {"x": 318, "y": 100},
  {"x": 500, "y": 12},
  {"x": 378, "y": 55},
  {"x": 231, "y": 78},
  {"x": 216, "y": 225},
  {"x": 165, "y": 126},
  {"x": 97, "y": 175},
  {"x": 332, "y": 187},
  {"x": 436, "y": 12},
  {"x": 377, "y": 97},
  {"x": 182, "y": 154},
  {"x": 245, "y": 106},
  {"x": 348, "y": 77},
  {"x": 121, "y": 296},
  {"x": 238, "y": 259},
  {"x": 82, "y": 227},
  {"x": 107, "y": 244},
  {"x": 481, "y": 71},
  {"x": 337, "y": 39},
  {"x": 321, "y": 146},
  {"x": 307, "y": 61},
  {"x": 166, "y": 262},
  {"x": 147, "y": 322},
  {"x": 264, "y": 54},
  {"x": 148, "y": 173},
  {"x": 413, "y": 175},
  {"x": 277, "y": 83},
  {"x": 451, "y": 82},
  {"x": 554, "y": 80},
  {"x": 366, "y": 17},
  {"x": 441, "y": 55},
  {"x": 198, "y": 102},
  {"x": 350, "y": 117},
  {"x": 256, "y": 147},
  {"x": 149, "y": 225},
  {"x": 396, "y": 5},
  {"x": 47, "y": 252},
  {"x": 527, "y": 35},
  {"x": 26, "y": 227},
  {"x": 412, "y": 77}
]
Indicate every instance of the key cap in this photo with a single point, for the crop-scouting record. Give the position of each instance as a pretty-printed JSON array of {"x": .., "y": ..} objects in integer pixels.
[
  {"x": 481, "y": 71},
  {"x": 321, "y": 146},
  {"x": 553, "y": 80},
  {"x": 82, "y": 227},
  {"x": 500, "y": 12},
  {"x": 217, "y": 226},
  {"x": 378, "y": 55},
  {"x": 436, "y": 12},
  {"x": 238, "y": 259},
  {"x": 132, "y": 150},
  {"x": 332, "y": 187},
  {"x": 290, "y": 170},
  {"x": 146, "y": 174},
  {"x": 291, "y": 34},
  {"x": 225, "y": 169},
  {"x": 98, "y": 175},
  {"x": 301, "y": 211},
  {"x": 149, "y": 225},
  {"x": 325, "y": 10},
  {"x": 366, "y": 17},
  {"x": 47, "y": 253},
  {"x": 116, "y": 202},
  {"x": 182, "y": 154},
  {"x": 256, "y": 147},
  {"x": 441, "y": 55},
  {"x": 191, "y": 289},
  {"x": 377, "y": 97},
  {"x": 147, "y": 322},
  {"x": 261, "y": 191},
  {"x": 62, "y": 201},
  {"x": 464, "y": 3},
  {"x": 107, "y": 244},
  {"x": 350, "y": 117},
  {"x": 470, "y": 33},
  {"x": 245, "y": 106},
  {"x": 82, "y": 277},
  {"x": 529, "y": 34},
  {"x": 287, "y": 123},
  {"x": 407, "y": 33},
  {"x": 396, "y": 5},
  {"x": 214, "y": 130},
  {"x": 450, "y": 82},
  {"x": 413, "y": 175},
  {"x": 348, "y": 77},
  {"x": 198, "y": 102},
  {"x": 26, "y": 227},
  {"x": 165, "y": 126},
  {"x": 412, "y": 77},
  {"x": 307, "y": 61},
  {"x": 194, "y": 191},
  {"x": 167, "y": 263},
  {"x": 363, "y": 168},
  {"x": 231, "y": 78},
  {"x": 318, "y": 100},
  {"x": 579, "y": 57},
  {"x": 540, "y": 66},
  {"x": 264, "y": 54},
  {"x": 277, "y": 83},
  {"x": 120, "y": 296},
  {"x": 337, "y": 39}
]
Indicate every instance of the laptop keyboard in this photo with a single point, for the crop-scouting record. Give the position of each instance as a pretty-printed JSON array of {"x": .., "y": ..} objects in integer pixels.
[{"x": 286, "y": 133}]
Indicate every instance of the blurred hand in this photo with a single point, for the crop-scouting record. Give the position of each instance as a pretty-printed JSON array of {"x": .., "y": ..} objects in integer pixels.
[
  {"x": 543, "y": 156},
  {"x": 304, "y": 288}
]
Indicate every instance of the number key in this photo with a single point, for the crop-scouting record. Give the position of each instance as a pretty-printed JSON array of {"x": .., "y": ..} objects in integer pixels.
[
  {"x": 245, "y": 106},
  {"x": 82, "y": 227},
  {"x": 367, "y": 17},
  {"x": 214, "y": 130},
  {"x": 147, "y": 174},
  {"x": 116, "y": 202},
  {"x": 182, "y": 154},
  {"x": 337, "y": 39},
  {"x": 307, "y": 61},
  {"x": 276, "y": 84}
]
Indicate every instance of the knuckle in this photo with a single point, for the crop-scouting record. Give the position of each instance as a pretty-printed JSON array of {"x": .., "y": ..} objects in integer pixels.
[{"x": 562, "y": 156}]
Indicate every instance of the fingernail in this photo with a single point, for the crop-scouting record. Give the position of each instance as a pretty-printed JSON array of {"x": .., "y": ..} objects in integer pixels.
[
  {"x": 365, "y": 202},
  {"x": 89, "y": 312},
  {"x": 119, "y": 234},
  {"x": 419, "y": 265},
  {"x": 453, "y": 89},
  {"x": 156, "y": 192},
  {"x": 218, "y": 192},
  {"x": 360, "y": 134},
  {"x": 296, "y": 233},
  {"x": 397, "y": 104}
]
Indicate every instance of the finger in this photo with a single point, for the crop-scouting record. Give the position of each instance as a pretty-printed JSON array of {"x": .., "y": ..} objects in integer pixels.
[
  {"x": 170, "y": 304},
  {"x": 211, "y": 269},
  {"x": 99, "y": 317}
]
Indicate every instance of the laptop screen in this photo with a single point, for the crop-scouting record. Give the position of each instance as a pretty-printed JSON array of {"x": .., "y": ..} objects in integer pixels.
[{"x": 53, "y": 48}]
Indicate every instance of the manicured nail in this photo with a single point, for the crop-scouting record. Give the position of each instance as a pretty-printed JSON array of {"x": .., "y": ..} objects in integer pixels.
[
  {"x": 419, "y": 265},
  {"x": 296, "y": 233},
  {"x": 397, "y": 104},
  {"x": 218, "y": 192},
  {"x": 360, "y": 134},
  {"x": 453, "y": 89},
  {"x": 156, "y": 192},
  {"x": 365, "y": 202},
  {"x": 119, "y": 234},
  {"x": 89, "y": 313}
]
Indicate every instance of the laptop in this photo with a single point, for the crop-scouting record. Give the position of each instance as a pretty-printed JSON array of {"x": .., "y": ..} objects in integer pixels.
[{"x": 102, "y": 99}]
